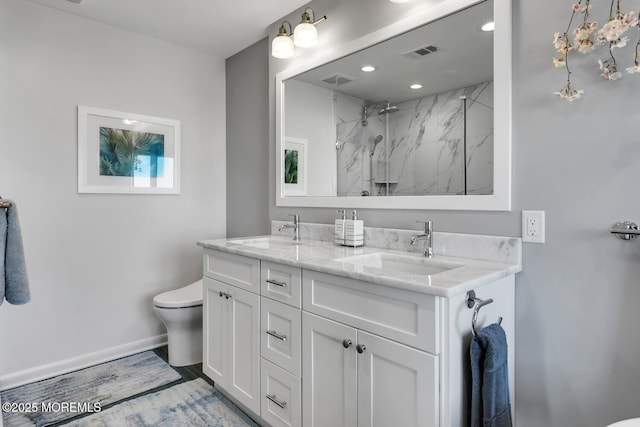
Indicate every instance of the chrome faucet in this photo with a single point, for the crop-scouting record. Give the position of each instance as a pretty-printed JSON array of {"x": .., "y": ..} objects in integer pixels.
[
  {"x": 295, "y": 226},
  {"x": 427, "y": 236}
]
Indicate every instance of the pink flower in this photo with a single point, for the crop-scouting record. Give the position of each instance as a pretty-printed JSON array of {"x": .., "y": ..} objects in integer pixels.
[
  {"x": 559, "y": 62},
  {"x": 575, "y": 7},
  {"x": 634, "y": 69},
  {"x": 569, "y": 94}
]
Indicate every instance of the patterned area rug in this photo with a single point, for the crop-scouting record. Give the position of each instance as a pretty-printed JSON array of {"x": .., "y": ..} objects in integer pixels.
[
  {"x": 91, "y": 388},
  {"x": 193, "y": 403}
]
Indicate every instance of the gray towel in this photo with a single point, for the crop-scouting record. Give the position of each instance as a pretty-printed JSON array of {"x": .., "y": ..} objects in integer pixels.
[
  {"x": 14, "y": 285},
  {"x": 490, "y": 405}
]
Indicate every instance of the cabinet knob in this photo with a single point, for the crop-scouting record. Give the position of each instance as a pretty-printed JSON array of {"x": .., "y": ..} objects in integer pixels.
[
  {"x": 346, "y": 343},
  {"x": 221, "y": 294},
  {"x": 360, "y": 348}
]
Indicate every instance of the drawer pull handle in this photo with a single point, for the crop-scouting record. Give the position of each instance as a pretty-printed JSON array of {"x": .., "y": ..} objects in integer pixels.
[
  {"x": 346, "y": 343},
  {"x": 272, "y": 397},
  {"x": 277, "y": 335},
  {"x": 360, "y": 348},
  {"x": 277, "y": 283}
]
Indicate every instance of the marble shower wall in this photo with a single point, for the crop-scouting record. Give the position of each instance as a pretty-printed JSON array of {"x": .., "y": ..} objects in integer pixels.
[{"x": 419, "y": 149}]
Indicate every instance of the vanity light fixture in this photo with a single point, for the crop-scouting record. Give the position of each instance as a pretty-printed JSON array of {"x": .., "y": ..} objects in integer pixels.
[
  {"x": 489, "y": 26},
  {"x": 416, "y": 86},
  {"x": 304, "y": 35},
  {"x": 282, "y": 45},
  {"x": 368, "y": 68}
]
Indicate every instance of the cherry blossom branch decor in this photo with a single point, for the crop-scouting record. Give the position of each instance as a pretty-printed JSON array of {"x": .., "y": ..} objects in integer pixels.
[{"x": 587, "y": 37}]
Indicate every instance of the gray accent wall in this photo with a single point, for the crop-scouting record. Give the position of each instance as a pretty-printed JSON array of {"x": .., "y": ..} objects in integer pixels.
[
  {"x": 577, "y": 337},
  {"x": 247, "y": 141}
]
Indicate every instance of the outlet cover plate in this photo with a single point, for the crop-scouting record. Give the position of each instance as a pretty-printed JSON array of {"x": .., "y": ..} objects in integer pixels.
[{"x": 533, "y": 227}]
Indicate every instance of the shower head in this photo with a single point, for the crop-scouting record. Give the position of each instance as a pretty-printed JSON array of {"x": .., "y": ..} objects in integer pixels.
[
  {"x": 376, "y": 141},
  {"x": 388, "y": 109},
  {"x": 369, "y": 108}
]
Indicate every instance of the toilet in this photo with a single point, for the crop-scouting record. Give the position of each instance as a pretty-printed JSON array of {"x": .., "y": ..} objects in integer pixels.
[
  {"x": 181, "y": 312},
  {"x": 634, "y": 422}
]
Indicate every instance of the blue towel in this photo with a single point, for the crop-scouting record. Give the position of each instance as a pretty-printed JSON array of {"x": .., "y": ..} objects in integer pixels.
[
  {"x": 14, "y": 285},
  {"x": 490, "y": 405}
]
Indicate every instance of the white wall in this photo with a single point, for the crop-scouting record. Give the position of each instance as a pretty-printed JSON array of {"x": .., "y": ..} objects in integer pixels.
[
  {"x": 309, "y": 110},
  {"x": 96, "y": 261}
]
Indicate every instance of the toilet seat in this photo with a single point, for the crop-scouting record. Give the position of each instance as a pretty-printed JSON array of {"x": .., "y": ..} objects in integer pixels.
[
  {"x": 634, "y": 422},
  {"x": 187, "y": 296}
]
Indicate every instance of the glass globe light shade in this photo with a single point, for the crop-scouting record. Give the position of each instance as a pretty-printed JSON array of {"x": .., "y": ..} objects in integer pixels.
[
  {"x": 282, "y": 47},
  {"x": 305, "y": 35}
]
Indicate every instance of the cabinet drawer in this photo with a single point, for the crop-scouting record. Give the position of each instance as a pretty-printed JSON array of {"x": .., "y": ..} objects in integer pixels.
[
  {"x": 407, "y": 317},
  {"x": 281, "y": 398},
  {"x": 281, "y": 334},
  {"x": 237, "y": 270},
  {"x": 281, "y": 282}
]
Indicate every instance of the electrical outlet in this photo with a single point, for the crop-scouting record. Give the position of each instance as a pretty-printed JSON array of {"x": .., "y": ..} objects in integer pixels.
[{"x": 533, "y": 226}]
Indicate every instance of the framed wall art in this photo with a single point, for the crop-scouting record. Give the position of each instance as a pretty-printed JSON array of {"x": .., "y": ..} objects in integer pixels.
[
  {"x": 127, "y": 153},
  {"x": 295, "y": 166}
]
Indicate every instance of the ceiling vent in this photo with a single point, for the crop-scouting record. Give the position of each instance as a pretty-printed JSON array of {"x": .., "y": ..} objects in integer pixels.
[
  {"x": 338, "y": 79},
  {"x": 421, "y": 52}
]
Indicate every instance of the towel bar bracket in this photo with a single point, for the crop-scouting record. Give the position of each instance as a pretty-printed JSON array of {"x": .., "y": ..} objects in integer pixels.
[
  {"x": 472, "y": 299},
  {"x": 5, "y": 204},
  {"x": 625, "y": 230}
]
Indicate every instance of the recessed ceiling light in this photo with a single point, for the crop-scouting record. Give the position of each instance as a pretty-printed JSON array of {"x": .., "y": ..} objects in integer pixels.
[
  {"x": 368, "y": 68},
  {"x": 416, "y": 86},
  {"x": 489, "y": 26}
]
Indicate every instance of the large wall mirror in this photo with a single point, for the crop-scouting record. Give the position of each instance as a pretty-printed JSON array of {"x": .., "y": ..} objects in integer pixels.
[{"x": 428, "y": 128}]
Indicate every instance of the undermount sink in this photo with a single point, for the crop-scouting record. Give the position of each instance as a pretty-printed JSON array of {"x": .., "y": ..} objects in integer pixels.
[
  {"x": 266, "y": 242},
  {"x": 411, "y": 265}
]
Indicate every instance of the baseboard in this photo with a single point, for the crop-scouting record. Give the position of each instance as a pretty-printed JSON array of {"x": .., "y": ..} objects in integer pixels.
[{"x": 79, "y": 362}]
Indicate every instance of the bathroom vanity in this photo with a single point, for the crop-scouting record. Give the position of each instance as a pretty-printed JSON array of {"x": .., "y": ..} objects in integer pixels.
[{"x": 312, "y": 334}]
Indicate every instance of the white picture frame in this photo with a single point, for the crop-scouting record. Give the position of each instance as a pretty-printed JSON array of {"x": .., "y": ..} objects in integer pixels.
[
  {"x": 295, "y": 157},
  {"x": 127, "y": 153}
]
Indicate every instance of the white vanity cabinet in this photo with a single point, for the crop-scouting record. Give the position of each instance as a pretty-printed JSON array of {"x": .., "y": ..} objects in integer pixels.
[
  {"x": 357, "y": 378},
  {"x": 298, "y": 346},
  {"x": 231, "y": 326}
]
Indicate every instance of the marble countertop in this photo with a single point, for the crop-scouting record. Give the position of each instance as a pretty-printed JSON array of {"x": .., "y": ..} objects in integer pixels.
[{"x": 461, "y": 275}]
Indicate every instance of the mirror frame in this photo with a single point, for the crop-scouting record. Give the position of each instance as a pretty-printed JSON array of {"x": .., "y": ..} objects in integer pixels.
[{"x": 500, "y": 200}]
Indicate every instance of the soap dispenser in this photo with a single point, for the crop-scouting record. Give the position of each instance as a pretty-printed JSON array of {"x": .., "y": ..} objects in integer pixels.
[
  {"x": 340, "y": 229},
  {"x": 354, "y": 231}
]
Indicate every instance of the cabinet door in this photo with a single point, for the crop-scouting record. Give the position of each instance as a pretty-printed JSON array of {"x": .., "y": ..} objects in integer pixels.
[
  {"x": 243, "y": 345},
  {"x": 329, "y": 373},
  {"x": 215, "y": 331},
  {"x": 397, "y": 385}
]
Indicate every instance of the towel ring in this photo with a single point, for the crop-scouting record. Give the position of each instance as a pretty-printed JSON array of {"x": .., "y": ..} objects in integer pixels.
[{"x": 477, "y": 304}]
